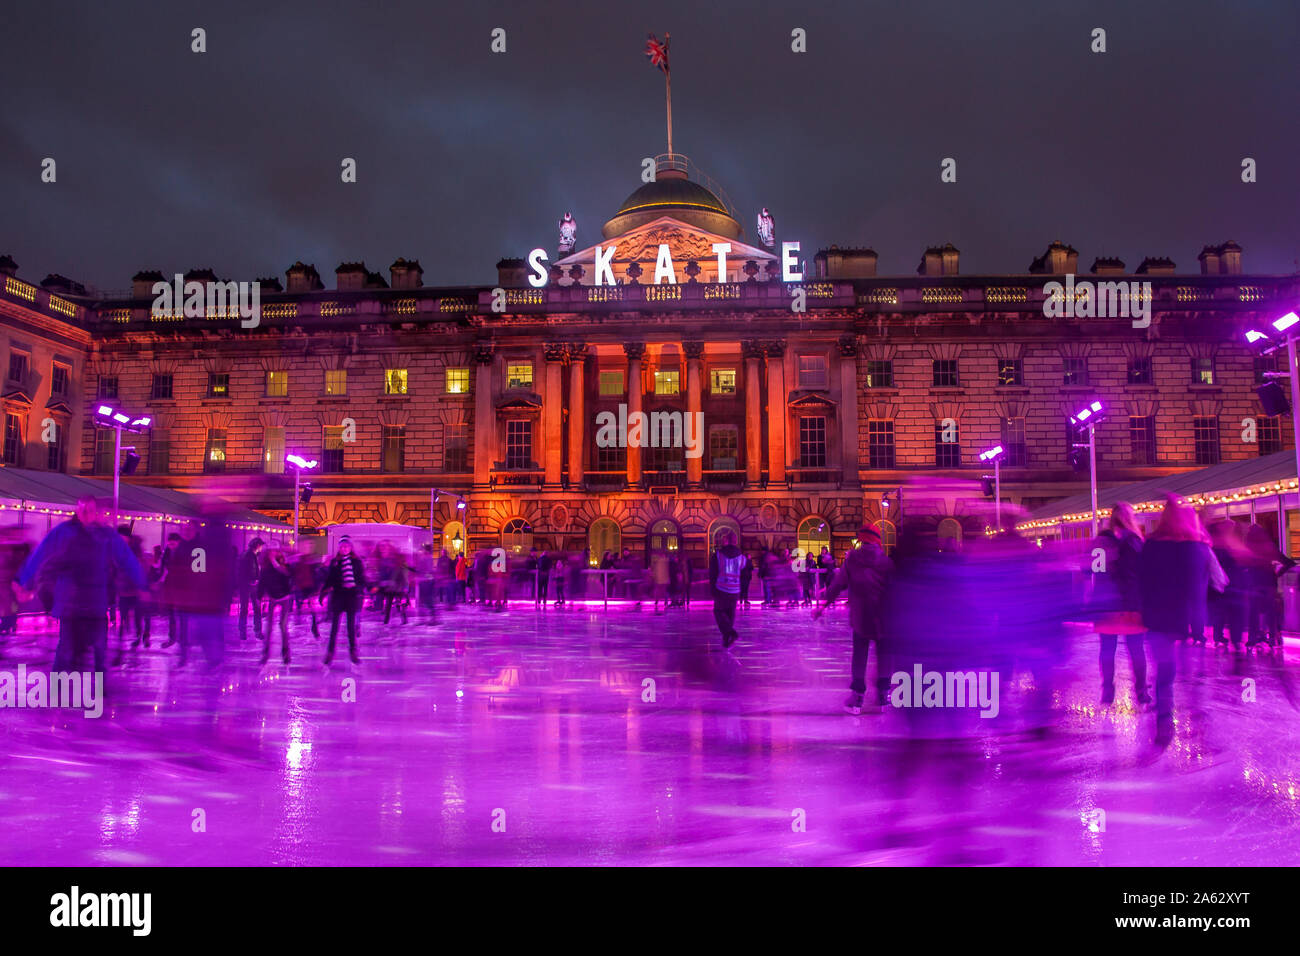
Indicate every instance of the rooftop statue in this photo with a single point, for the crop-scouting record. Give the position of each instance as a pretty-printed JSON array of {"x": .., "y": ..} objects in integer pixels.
[
  {"x": 568, "y": 234},
  {"x": 766, "y": 229}
]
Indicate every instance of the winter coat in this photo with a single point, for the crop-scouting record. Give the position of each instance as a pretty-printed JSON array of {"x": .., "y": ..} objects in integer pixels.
[
  {"x": 1173, "y": 577},
  {"x": 1116, "y": 588},
  {"x": 79, "y": 561},
  {"x": 865, "y": 575}
]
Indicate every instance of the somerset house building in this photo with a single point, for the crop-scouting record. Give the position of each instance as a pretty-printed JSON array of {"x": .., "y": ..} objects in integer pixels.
[{"x": 788, "y": 396}]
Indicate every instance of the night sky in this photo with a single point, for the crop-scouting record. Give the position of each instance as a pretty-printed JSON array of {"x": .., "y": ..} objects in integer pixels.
[{"x": 173, "y": 160}]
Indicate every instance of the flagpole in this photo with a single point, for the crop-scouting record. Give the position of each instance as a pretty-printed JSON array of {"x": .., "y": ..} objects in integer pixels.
[{"x": 668, "y": 86}]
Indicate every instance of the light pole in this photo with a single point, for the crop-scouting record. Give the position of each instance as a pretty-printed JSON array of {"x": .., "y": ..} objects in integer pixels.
[
  {"x": 300, "y": 465},
  {"x": 117, "y": 420},
  {"x": 994, "y": 455},
  {"x": 1088, "y": 417},
  {"x": 1287, "y": 325}
]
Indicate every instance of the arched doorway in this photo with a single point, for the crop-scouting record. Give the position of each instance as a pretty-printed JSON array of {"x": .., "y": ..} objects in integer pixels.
[
  {"x": 888, "y": 535},
  {"x": 814, "y": 534},
  {"x": 517, "y": 536},
  {"x": 949, "y": 535},
  {"x": 453, "y": 538},
  {"x": 664, "y": 536},
  {"x": 603, "y": 535}
]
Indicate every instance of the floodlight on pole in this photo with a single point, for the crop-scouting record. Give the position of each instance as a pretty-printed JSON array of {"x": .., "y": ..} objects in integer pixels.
[
  {"x": 995, "y": 455},
  {"x": 300, "y": 464},
  {"x": 1088, "y": 417},
  {"x": 118, "y": 420},
  {"x": 1286, "y": 324}
]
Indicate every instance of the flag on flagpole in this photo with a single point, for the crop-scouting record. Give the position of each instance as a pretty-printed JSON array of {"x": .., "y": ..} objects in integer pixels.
[{"x": 657, "y": 52}]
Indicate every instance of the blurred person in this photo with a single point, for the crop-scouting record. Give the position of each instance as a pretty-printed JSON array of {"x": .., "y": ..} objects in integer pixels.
[
  {"x": 205, "y": 603},
  {"x": 660, "y": 575},
  {"x": 725, "y": 565},
  {"x": 1117, "y": 601},
  {"x": 746, "y": 576},
  {"x": 305, "y": 571},
  {"x": 344, "y": 588},
  {"x": 79, "y": 557},
  {"x": 172, "y": 576},
  {"x": 13, "y": 552},
  {"x": 275, "y": 583},
  {"x": 462, "y": 578},
  {"x": 247, "y": 571},
  {"x": 1173, "y": 577},
  {"x": 394, "y": 581},
  {"x": 559, "y": 572},
  {"x": 128, "y": 595},
  {"x": 1266, "y": 564},
  {"x": 1228, "y": 608},
  {"x": 865, "y": 576}
]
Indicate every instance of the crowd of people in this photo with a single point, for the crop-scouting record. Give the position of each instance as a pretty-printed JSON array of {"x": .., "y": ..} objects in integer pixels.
[{"x": 1000, "y": 603}]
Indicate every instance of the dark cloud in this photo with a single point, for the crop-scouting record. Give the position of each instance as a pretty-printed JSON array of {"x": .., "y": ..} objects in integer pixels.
[{"x": 172, "y": 160}]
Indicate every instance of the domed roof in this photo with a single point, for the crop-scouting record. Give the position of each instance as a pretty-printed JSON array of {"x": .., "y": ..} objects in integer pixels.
[
  {"x": 672, "y": 194},
  {"x": 676, "y": 196}
]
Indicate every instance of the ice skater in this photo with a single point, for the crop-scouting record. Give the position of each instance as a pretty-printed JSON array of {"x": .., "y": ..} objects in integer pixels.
[
  {"x": 345, "y": 584},
  {"x": 865, "y": 576},
  {"x": 1117, "y": 601},
  {"x": 725, "y": 565}
]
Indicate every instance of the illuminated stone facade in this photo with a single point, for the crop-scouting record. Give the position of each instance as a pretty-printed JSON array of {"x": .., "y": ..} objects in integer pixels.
[{"x": 809, "y": 417}]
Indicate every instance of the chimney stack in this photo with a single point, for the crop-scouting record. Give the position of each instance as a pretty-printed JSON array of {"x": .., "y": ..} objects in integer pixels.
[
  {"x": 837, "y": 263},
  {"x": 512, "y": 273},
  {"x": 303, "y": 278},
  {"x": 939, "y": 261},
  {"x": 350, "y": 276},
  {"x": 142, "y": 283},
  {"x": 1059, "y": 259},
  {"x": 406, "y": 275}
]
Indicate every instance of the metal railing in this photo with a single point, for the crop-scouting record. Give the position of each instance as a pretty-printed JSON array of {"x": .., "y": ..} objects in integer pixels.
[{"x": 681, "y": 163}]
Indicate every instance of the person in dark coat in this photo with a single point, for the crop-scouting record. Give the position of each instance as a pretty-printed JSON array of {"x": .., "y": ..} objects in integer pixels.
[
  {"x": 1117, "y": 601},
  {"x": 345, "y": 585},
  {"x": 1173, "y": 578},
  {"x": 275, "y": 583},
  {"x": 864, "y": 575},
  {"x": 249, "y": 568},
  {"x": 79, "y": 557},
  {"x": 1228, "y": 608},
  {"x": 1265, "y": 564},
  {"x": 725, "y": 565}
]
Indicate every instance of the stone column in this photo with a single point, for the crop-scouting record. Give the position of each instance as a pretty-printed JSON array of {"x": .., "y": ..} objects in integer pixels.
[
  {"x": 577, "y": 413},
  {"x": 753, "y": 353},
  {"x": 634, "y": 351},
  {"x": 694, "y": 351},
  {"x": 776, "y": 411},
  {"x": 552, "y": 413},
  {"x": 485, "y": 419},
  {"x": 849, "y": 450}
]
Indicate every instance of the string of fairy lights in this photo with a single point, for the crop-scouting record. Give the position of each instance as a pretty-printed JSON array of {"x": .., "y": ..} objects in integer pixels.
[{"x": 1247, "y": 493}]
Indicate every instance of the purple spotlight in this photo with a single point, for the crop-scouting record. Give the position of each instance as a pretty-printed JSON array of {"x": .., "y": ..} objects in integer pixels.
[
  {"x": 141, "y": 422},
  {"x": 460, "y": 504},
  {"x": 104, "y": 410},
  {"x": 299, "y": 462},
  {"x": 1254, "y": 335},
  {"x": 992, "y": 453},
  {"x": 121, "y": 418},
  {"x": 1286, "y": 321}
]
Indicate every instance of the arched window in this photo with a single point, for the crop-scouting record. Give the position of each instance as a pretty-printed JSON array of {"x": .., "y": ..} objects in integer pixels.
[
  {"x": 814, "y": 534},
  {"x": 664, "y": 536},
  {"x": 453, "y": 538},
  {"x": 517, "y": 536},
  {"x": 949, "y": 535},
  {"x": 603, "y": 535},
  {"x": 721, "y": 525},
  {"x": 888, "y": 535}
]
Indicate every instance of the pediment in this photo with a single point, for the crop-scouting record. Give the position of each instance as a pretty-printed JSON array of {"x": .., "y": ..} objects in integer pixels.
[{"x": 684, "y": 240}]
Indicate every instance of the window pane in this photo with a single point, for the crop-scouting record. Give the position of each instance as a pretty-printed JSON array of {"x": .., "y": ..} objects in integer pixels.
[
  {"x": 277, "y": 384},
  {"x": 519, "y": 443},
  {"x": 455, "y": 456},
  {"x": 273, "y": 450},
  {"x": 812, "y": 442},
  {"x": 162, "y": 386},
  {"x": 394, "y": 451},
  {"x": 722, "y": 381},
  {"x": 880, "y": 374},
  {"x": 723, "y": 448},
  {"x": 947, "y": 454},
  {"x": 394, "y": 381},
  {"x": 880, "y": 443},
  {"x": 945, "y": 373},
  {"x": 812, "y": 371},
  {"x": 519, "y": 376},
  {"x": 336, "y": 381},
  {"x": 214, "y": 458},
  {"x": 332, "y": 450},
  {"x": 667, "y": 383},
  {"x": 160, "y": 453},
  {"x": 1009, "y": 372},
  {"x": 611, "y": 382},
  {"x": 457, "y": 381}
]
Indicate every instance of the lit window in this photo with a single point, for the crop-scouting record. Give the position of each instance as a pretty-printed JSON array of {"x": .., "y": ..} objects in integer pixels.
[
  {"x": 1010, "y": 372},
  {"x": 880, "y": 373},
  {"x": 611, "y": 382},
  {"x": 394, "y": 381},
  {"x": 277, "y": 384},
  {"x": 331, "y": 459},
  {"x": 519, "y": 376},
  {"x": 722, "y": 381},
  {"x": 1202, "y": 371},
  {"x": 1140, "y": 371},
  {"x": 336, "y": 381},
  {"x": 668, "y": 383},
  {"x": 214, "y": 456},
  {"x": 273, "y": 450},
  {"x": 219, "y": 385},
  {"x": 457, "y": 381}
]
